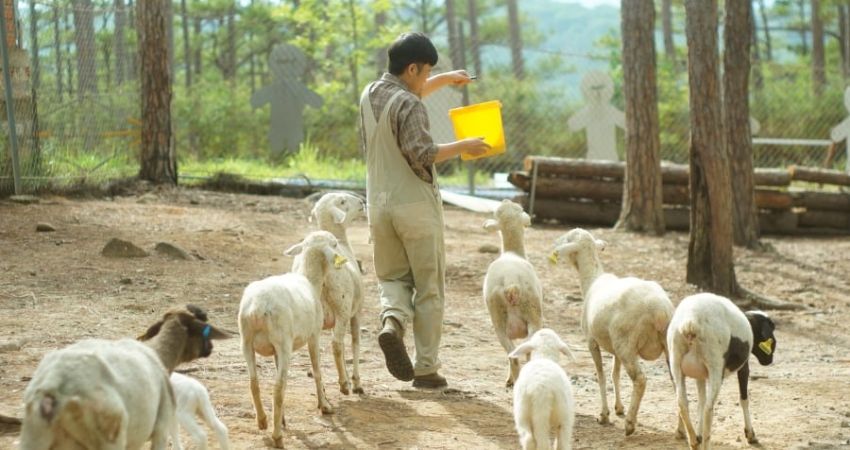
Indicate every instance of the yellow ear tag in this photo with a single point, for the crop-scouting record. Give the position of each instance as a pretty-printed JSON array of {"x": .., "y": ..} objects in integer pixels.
[
  {"x": 339, "y": 261},
  {"x": 553, "y": 257},
  {"x": 766, "y": 346}
]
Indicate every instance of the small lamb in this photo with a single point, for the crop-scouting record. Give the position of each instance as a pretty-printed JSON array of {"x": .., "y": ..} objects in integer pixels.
[
  {"x": 342, "y": 293},
  {"x": 710, "y": 338},
  {"x": 626, "y": 317},
  {"x": 279, "y": 314},
  {"x": 106, "y": 394},
  {"x": 512, "y": 290},
  {"x": 543, "y": 395},
  {"x": 193, "y": 399}
]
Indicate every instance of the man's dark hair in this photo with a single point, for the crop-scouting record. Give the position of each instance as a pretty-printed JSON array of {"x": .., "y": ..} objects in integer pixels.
[{"x": 411, "y": 48}]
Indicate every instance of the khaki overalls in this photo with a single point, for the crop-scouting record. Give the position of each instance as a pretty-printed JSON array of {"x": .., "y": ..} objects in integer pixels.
[{"x": 406, "y": 224}]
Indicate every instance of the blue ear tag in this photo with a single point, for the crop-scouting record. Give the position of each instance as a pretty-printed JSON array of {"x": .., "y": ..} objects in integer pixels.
[{"x": 206, "y": 332}]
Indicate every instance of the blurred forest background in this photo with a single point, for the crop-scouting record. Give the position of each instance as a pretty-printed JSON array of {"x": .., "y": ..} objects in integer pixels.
[{"x": 83, "y": 68}]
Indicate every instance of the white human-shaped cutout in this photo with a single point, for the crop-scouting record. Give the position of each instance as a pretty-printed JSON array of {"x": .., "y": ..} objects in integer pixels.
[
  {"x": 755, "y": 126},
  {"x": 598, "y": 117},
  {"x": 438, "y": 105},
  {"x": 842, "y": 130}
]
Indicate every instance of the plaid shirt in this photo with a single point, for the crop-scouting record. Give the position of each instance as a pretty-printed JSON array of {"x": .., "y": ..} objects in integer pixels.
[{"x": 409, "y": 121}]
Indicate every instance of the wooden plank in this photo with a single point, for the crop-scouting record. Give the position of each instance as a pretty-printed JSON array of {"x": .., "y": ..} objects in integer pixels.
[
  {"x": 825, "y": 219},
  {"x": 475, "y": 204},
  {"x": 830, "y": 201},
  {"x": 824, "y": 176},
  {"x": 615, "y": 170}
]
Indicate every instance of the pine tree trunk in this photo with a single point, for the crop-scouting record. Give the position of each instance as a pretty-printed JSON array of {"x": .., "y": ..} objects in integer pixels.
[
  {"x": 818, "y": 58},
  {"x": 199, "y": 45},
  {"x": 842, "y": 40},
  {"x": 737, "y": 35},
  {"x": 57, "y": 50},
  {"x": 120, "y": 41},
  {"x": 187, "y": 52},
  {"x": 758, "y": 76},
  {"x": 667, "y": 29},
  {"x": 158, "y": 161},
  {"x": 84, "y": 40},
  {"x": 516, "y": 40},
  {"x": 801, "y": 4},
  {"x": 36, "y": 70},
  {"x": 106, "y": 49},
  {"x": 642, "y": 199},
  {"x": 231, "y": 44},
  {"x": 710, "y": 264},
  {"x": 451, "y": 25},
  {"x": 133, "y": 54},
  {"x": 768, "y": 45},
  {"x": 381, "y": 53},
  {"x": 474, "y": 41}
]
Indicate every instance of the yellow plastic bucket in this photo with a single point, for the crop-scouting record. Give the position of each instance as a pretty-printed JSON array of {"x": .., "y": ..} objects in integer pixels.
[{"x": 480, "y": 120}]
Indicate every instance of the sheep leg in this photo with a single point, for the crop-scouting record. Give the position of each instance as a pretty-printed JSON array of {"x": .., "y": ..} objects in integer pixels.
[
  {"x": 500, "y": 327},
  {"x": 635, "y": 372},
  {"x": 250, "y": 358},
  {"x": 522, "y": 419},
  {"x": 279, "y": 393},
  {"x": 743, "y": 379},
  {"x": 615, "y": 377},
  {"x": 700, "y": 408},
  {"x": 315, "y": 361},
  {"x": 715, "y": 378},
  {"x": 682, "y": 397},
  {"x": 338, "y": 345},
  {"x": 540, "y": 425},
  {"x": 600, "y": 379},
  {"x": 565, "y": 434},
  {"x": 210, "y": 418},
  {"x": 355, "y": 353},
  {"x": 199, "y": 437}
]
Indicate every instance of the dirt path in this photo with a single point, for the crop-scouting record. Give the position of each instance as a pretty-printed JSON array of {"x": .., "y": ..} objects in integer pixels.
[{"x": 55, "y": 288}]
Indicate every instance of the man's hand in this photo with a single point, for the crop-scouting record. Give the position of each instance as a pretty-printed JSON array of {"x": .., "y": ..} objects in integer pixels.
[
  {"x": 474, "y": 146},
  {"x": 458, "y": 77}
]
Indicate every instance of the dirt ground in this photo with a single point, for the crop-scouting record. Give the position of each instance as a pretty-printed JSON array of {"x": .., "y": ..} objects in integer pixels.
[{"x": 56, "y": 288}]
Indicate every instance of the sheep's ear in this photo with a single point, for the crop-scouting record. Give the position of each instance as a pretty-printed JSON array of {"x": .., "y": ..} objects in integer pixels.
[
  {"x": 491, "y": 225},
  {"x": 526, "y": 220},
  {"x": 339, "y": 215},
  {"x": 565, "y": 349},
  {"x": 294, "y": 250},
  {"x": 151, "y": 332},
  {"x": 108, "y": 423},
  {"x": 218, "y": 333},
  {"x": 313, "y": 215},
  {"x": 600, "y": 244},
  {"x": 523, "y": 349}
]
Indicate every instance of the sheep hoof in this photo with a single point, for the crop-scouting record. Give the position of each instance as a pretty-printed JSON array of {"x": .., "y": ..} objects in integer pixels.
[
  {"x": 262, "y": 422},
  {"x": 278, "y": 441},
  {"x": 344, "y": 389},
  {"x": 603, "y": 419},
  {"x": 751, "y": 436},
  {"x": 358, "y": 390},
  {"x": 509, "y": 383},
  {"x": 630, "y": 427},
  {"x": 619, "y": 410},
  {"x": 326, "y": 409}
]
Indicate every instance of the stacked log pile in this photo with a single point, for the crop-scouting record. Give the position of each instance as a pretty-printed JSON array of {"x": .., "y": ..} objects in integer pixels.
[{"x": 590, "y": 192}]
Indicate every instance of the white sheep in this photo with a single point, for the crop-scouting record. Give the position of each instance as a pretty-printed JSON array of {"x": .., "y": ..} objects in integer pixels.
[
  {"x": 512, "y": 291},
  {"x": 279, "y": 314},
  {"x": 113, "y": 394},
  {"x": 342, "y": 293},
  {"x": 192, "y": 399},
  {"x": 543, "y": 395},
  {"x": 710, "y": 338},
  {"x": 626, "y": 317}
]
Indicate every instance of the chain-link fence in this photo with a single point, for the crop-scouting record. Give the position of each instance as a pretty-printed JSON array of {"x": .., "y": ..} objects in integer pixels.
[{"x": 76, "y": 101}]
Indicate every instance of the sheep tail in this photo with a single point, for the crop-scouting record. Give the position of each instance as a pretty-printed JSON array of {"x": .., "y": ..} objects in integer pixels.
[{"x": 512, "y": 294}]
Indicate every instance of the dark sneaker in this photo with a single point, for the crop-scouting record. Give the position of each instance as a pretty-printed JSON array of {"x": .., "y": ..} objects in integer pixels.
[
  {"x": 392, "y": 344},
  {"x": 430, "y": 381}
]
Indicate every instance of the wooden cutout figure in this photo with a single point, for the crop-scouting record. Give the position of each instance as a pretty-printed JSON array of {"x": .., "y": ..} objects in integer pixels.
[
  {"x": 842, "y": 130},
  {"x": 438, "y": 105},
  {"x": 598, "y": 117},
  {"x": 288, "y": 97}
]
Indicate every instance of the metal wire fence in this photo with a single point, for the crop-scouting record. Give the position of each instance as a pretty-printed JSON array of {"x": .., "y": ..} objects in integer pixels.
[{"x": 76, "y": 101}]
